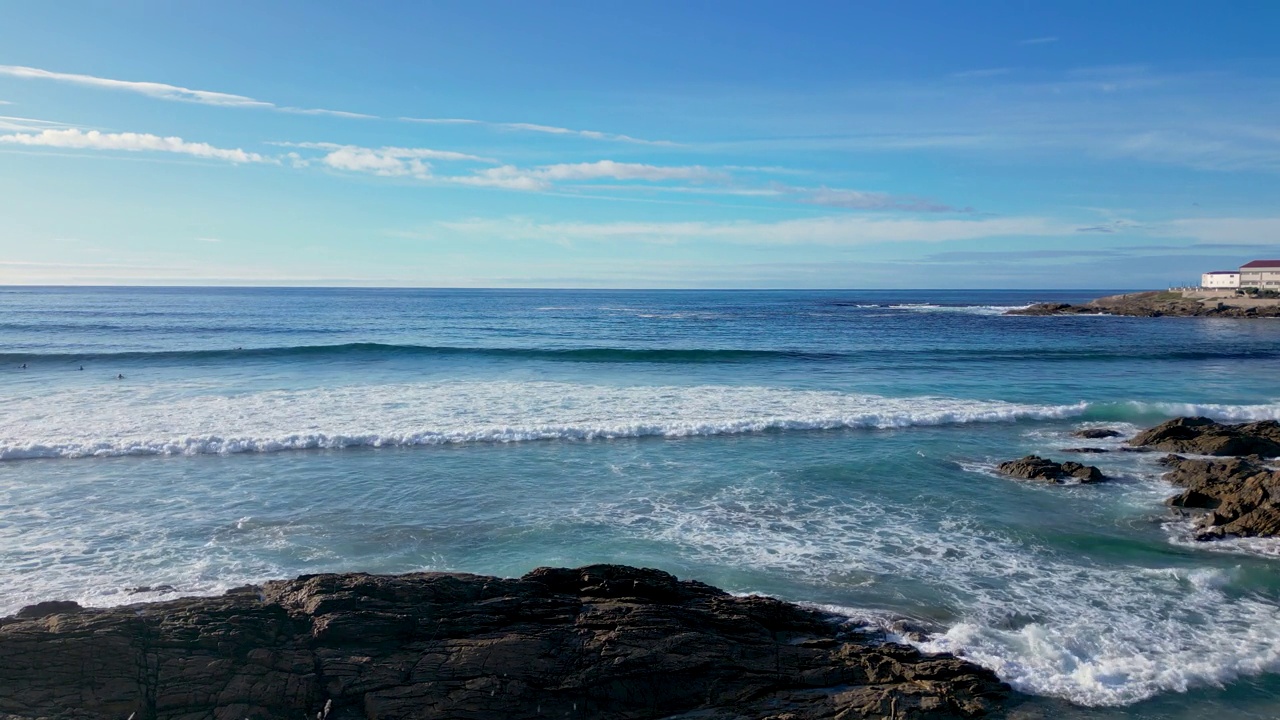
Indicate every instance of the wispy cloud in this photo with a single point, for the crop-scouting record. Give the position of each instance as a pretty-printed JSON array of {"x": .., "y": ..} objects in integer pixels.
[
  {"x": 24, "y": 124},
  {"x": 865, "y": 200},
  {"x": 165, "y": 91},
  {"x": 830, "y": 231},
  {"x": 1039, "y": 40},
  {"x": 537, "y": 128},
  {"x": 130, "y": 142}
]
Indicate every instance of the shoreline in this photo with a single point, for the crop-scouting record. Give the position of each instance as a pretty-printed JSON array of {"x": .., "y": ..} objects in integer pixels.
[
  {"x": 596, "y": 641},
  {"x": 1164, "y": 303}
]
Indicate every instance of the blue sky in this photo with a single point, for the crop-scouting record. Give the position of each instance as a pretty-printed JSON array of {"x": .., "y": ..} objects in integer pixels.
[{"x": 661, "y": 144}]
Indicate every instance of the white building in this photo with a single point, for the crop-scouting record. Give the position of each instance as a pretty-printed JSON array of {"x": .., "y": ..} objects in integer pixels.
[
  {"x": 1261, "y": 274},
  {"x": 1220, "y": 280}
]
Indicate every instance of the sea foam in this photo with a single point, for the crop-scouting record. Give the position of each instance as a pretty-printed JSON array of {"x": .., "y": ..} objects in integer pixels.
[{"x": 138, "y": 421}]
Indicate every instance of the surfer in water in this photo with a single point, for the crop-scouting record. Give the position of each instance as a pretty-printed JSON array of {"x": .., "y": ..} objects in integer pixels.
[{"x": 120, "y": 376}]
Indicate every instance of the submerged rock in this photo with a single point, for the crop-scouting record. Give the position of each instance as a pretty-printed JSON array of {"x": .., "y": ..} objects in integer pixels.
[
  {"x": 1241, "y": 495},
  {"x": 1034, "y": 467},
  {"x": 602, "y": 641},
  {"x": 1090, "y": 450},
  {"x": 1096, "y": 433},
  {"x": 1202, "y": 436}
]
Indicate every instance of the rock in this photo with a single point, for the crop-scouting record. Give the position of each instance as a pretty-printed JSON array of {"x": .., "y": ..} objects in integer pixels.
[
  {"x": 1202, "y": 436},
  {"x": 1241, "y": 495},
  {"x": 1034, "y": 467},
  {"x": 1159, "y": 304},
  {"x": 150, "y": 589},
  {"x": 45, "y": 609},
  {"x": 602, "y": 641},
  {"x": 1096, "y": 433},
  {"x": 1092, "y": 450}
]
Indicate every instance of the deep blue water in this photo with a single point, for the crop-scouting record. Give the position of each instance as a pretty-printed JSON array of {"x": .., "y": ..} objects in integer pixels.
[{"x": 830, "y": 447}]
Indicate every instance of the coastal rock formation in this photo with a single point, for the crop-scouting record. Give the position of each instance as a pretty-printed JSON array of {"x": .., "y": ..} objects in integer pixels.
[
  {"x": 602, "y": 641},
  {"x": 1241, "y": 495},
  {"x": 1096, "y": 433},
  {"x": 1160, "y": 303},
  {"x": 1088, "y": 450},
  {"x": 1202, "y": 436},
  {"x": 1034, "y": 467}
]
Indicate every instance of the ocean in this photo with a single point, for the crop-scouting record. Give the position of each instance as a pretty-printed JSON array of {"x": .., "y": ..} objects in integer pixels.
[{"x": 834, "y": 448}]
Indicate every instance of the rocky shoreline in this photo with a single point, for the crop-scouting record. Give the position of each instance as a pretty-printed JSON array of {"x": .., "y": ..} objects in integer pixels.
[
  {"x": 602, "y": 641},
  {"x": 1159, "y": 304},
  {"x": 1237, "y": 496}
]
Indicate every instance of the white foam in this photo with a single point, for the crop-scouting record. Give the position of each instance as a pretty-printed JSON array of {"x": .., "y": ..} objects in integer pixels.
[
  {"x": 1238, "y": 413},
  {"x": 1048, "y": 623},
  {"x": 960, "y": 309},
  {"x": 119, "y": 420}
]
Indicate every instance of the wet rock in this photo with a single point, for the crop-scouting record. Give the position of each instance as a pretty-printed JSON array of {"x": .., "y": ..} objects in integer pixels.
[
  {"x": 1241, "y": 495},
  {"x": 1159, "y": 304},
  {"x": 1202, "y": 436},
  {"x": 45, "y": 609},
  {"x": 1034, "y": 467},
  {"x": 1087, "y": 450},
  {"x": 1096, "y": 433},
  {"x": 602, "y": 641},
  {"x": 150, "y": 589}
]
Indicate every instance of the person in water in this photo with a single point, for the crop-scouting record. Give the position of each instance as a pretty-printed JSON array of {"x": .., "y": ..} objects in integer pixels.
[
  {"x": 24, "y": 366},
  {"x": 120, "y": 376}
]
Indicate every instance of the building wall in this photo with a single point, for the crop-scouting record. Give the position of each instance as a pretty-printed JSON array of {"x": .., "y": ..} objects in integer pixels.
[
  {"x": 1220, "y": 280},
  {"x": 1264, "y": 278}
]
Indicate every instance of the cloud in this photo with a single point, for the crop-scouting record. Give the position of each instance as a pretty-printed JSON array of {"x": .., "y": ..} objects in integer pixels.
[
  {"x": 385, "y": 161},
  {"x": 164, "y": 91},
  {"x": 131, "y": 142},
  {"x": 830, "y": 231},
  {"x": 865, "y": 200},
  {"x": 539, "y": 178},
  {"x": 24, "y": 124},
  {"x": 1038, "y": 40},
  {"x": 535, "y": 127}
]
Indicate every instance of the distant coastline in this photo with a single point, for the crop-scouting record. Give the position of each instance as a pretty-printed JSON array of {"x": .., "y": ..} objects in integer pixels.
[{"x": 1160, "y": 303}]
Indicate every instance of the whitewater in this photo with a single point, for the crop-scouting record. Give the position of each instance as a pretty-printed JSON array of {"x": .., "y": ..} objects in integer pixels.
[{"x": 833, "y": 448}]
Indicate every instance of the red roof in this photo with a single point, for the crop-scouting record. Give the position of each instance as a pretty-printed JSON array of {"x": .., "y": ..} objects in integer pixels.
[{"x": 1261, "y": 264}]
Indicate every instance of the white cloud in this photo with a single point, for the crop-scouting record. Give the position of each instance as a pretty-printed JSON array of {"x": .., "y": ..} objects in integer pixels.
[
  {"x": 515, "y": 178},
  {"x": 23, "y": 124},
  {"x": 538, "y": 128},
  {"x": 165, "y": 91},
  {"x": 132, "y": 142},
  {"x": 831, "y": 231},
  {"x": 386, "y": 161},
  {"x": 866, "y": 200}
]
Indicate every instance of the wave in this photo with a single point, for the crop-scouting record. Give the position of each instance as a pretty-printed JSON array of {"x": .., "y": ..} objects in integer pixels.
[
  {"x": 1048, "y": 622},
  {"x": 357, "y": 351},
  {"x": 115, "y": 420}
]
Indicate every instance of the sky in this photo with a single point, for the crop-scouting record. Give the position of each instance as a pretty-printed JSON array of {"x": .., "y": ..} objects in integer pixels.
[{"x": 876, "y": 144}]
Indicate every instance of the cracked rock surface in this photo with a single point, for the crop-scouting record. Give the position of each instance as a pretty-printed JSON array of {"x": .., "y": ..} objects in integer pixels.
[{"x": 603, "y": 641}]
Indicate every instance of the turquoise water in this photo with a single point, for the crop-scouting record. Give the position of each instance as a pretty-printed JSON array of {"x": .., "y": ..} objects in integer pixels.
[{"x": 825, "y": 447}]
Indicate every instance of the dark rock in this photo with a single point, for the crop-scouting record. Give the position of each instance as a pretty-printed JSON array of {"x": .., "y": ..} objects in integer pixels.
[
  {"x": 1034, "y": 467},
  {"x": 45, "y": 609},
  {"x": 1091, "y": 450},
  {"x": 1242, "y": 495},
  {"x": 596, "y": 642},
  {"x": 1202, "y": 436},
  {"x": 1158, "y": 304},
  {"x": 1096, "y": 433},
  {"x": 149, "y": 589}
]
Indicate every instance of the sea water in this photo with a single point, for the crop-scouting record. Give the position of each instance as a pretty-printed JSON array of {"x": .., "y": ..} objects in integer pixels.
[{"x": 834, "y": 448}]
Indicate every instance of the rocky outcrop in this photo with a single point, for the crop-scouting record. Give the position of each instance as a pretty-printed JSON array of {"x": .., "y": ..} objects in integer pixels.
[
  {"x": 1158, "y": 304},
  {"x": 1096, "y": 433},
  {"x": 1034, "y": 467},
  {"x": 1086, "y": 450},
  {"x": 602, "y": 641},
  {"x": 1202, "y": 436},
  {"x": 1241, "y": 495}
]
